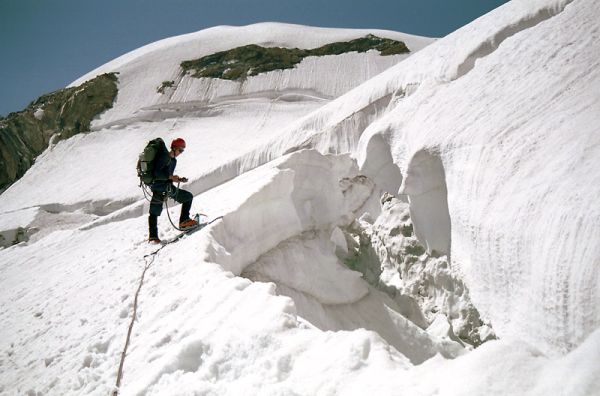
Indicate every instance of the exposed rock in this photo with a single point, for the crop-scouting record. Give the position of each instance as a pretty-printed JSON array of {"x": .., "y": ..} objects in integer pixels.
[{"x": 26, "y": 134}]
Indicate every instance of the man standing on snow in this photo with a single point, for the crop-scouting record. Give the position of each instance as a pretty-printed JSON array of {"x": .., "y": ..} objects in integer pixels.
[{"x": 163, "y": 188}]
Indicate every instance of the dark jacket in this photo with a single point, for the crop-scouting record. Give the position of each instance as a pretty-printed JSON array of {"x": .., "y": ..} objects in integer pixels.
[{"x": 164, "y": 166}]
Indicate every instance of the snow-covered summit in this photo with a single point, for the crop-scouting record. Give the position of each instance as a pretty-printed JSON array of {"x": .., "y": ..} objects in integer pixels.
[
  {"x": 143, "y": 70},
  {"x": 316, "y": 281}
]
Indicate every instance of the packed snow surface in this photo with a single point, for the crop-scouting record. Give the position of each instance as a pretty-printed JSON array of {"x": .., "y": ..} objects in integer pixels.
[{"x": 371, "y": 237}]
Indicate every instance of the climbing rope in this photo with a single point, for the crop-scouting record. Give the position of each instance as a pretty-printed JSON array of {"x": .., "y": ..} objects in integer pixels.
[
  {"x": 133, "y": 317},
  {"x": 149, "y": 196},
  {"x": 167, "y": 207},
  {"x": 147, "y": 265}
]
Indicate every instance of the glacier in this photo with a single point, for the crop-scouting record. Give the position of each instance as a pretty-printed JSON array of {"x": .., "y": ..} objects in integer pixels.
[{"x": 410, "y": 225}]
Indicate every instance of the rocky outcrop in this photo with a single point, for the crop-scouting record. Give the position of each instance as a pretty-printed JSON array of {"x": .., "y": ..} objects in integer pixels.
[
  {"x": 26, "y": 134},
  {"x": 251, "y": 60}
]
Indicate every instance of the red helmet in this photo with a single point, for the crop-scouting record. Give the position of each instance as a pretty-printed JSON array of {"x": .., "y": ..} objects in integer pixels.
[{"x": 178, "y": 143}]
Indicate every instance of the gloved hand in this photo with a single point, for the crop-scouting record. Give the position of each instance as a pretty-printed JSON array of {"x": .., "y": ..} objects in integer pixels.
[{"x": 178, "y": 179}]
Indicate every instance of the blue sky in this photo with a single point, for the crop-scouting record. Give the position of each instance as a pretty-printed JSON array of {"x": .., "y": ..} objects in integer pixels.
[{"x": 47, "y": 44}]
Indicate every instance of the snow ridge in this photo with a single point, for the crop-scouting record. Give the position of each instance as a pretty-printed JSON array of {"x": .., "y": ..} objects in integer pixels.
[{"x": 492, "y": 43}]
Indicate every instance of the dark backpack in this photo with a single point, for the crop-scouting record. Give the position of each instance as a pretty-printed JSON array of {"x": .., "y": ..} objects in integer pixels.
[{"x": 145, "y": 164}]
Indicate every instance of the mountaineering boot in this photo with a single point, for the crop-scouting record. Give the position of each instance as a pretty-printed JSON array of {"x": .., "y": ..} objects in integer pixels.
[
  {"x": 185, "y": 208},
  {"x": 153, "y": 229},
  {"x": 154, "y": 241},
  {"x": 188, "y": 224}
]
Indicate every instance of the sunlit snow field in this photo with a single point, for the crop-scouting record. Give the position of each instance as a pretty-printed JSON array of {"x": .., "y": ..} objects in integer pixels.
[{"x": 478, "y": 272}]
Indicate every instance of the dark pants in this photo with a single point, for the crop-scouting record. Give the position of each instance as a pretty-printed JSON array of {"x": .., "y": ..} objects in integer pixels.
[{"x": 156, "y": 206}]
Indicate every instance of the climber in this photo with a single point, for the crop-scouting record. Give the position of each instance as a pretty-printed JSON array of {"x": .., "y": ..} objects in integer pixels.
[{"x": 163, "y": 188}]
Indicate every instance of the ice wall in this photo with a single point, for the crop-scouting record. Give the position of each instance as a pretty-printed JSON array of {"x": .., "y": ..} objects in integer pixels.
[
  {"x": 517, "y": 149},
  {"x": 508, "y": 105},
  {"x": 425, "y": 186},
  {"x": 288, "y": 232}
]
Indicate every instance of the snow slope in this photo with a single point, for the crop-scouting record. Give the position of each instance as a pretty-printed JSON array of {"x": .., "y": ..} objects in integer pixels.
[
  {"x": 221, "y": 119},
  {"x": 489, "y": 139},
  {"x": 143, "y": 70}
]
